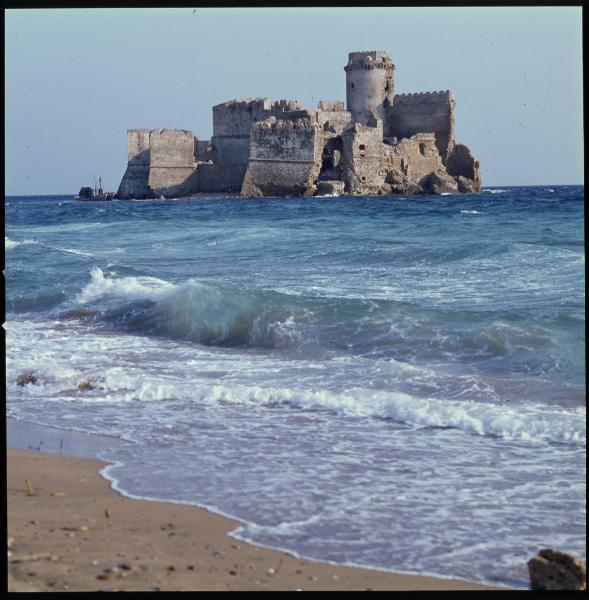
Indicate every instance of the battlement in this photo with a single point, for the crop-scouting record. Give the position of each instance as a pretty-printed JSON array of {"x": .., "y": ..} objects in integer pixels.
[
  {"x": 241, "y": 103},
  {"x": 372, "y": 59},
  {"x": 417, "y": 98},
  {"x": 286, "y": 105},
  {"x": 338, "y": 105},
  {"x": 273, "y": 123}
]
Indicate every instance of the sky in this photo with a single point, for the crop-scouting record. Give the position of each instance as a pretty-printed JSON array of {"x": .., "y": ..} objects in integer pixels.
[{"x": 77, "y": 79}]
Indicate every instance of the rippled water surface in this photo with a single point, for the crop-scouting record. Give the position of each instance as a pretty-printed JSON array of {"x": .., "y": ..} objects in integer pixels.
[{"x": 393, "y": 382}]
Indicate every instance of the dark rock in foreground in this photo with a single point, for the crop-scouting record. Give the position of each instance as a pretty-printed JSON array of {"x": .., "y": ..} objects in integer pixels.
[{"x": 553, "y": 570}]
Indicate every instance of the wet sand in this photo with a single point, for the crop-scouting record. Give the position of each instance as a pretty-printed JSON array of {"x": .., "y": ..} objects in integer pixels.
[{"x": 68, "y": 530}]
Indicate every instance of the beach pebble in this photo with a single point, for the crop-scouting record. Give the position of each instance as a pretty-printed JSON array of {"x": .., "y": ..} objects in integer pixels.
[
  {"x": 104, "y": 576},
  {"x": 9, "y": 542},
  {"x": 270, "y": 572},
  {"x": 171, "y": 568},
  {"x": 125, "y": 566}
]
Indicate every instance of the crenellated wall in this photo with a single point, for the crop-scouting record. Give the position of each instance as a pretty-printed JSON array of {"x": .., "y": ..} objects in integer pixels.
[
  {"x": 285, "y": 158},
  {"x": 369, "y": 86},
  {"x": 232, "y": 123},
  {"x": 423, "y": 112}
]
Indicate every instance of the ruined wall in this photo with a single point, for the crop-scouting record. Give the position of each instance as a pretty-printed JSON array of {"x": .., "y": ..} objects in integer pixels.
[
  {"x": 423, "y": 112},
  {"x": 285, "y": 158},
  {"x": 330, "y": 119},
  {"x": 413, "y": 159},
  {"x": 172, "y": 162},
  {"x": 135, "y": 180},
  {"x": 369, "y": 85},
  {"x": 364, "y": 159}
]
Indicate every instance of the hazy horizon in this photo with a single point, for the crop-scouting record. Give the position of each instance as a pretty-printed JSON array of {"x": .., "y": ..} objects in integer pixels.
[{"x": 77, "y": 79}]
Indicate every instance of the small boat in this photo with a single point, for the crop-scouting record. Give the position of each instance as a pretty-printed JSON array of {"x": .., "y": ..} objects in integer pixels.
[{"x": 87, "y": 193}]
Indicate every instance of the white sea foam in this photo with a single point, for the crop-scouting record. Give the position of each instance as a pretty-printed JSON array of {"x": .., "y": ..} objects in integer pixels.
[
  {"x": 74, "y": 251},
  {"x": 129, "y": 288},
  {"x": 529, "y": 423},
  {"x": 11, "y": 244},
  {"x": 495, "y": 191},
  {"x": 470, "y": 212}
]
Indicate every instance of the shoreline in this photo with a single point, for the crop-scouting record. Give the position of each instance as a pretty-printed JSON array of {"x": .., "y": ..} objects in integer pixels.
[{"x": 72, "y": 531}]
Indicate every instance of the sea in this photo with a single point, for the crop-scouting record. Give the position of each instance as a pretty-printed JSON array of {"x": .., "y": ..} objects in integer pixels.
[{"x": 391, "y": 382}]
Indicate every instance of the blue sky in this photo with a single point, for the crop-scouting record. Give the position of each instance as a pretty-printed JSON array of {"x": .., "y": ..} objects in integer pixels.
[{"x": 77, "y": 79}]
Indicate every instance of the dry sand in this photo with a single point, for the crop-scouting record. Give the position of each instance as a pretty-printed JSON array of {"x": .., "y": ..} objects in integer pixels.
[{"x": 71, "y": 531}]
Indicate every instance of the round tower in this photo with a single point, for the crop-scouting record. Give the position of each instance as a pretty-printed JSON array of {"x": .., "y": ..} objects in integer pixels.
[{"x": 369, "y": 86}]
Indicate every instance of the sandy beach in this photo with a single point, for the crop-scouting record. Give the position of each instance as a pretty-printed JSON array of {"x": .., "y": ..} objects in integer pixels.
[{"x": 68, "y": 530}]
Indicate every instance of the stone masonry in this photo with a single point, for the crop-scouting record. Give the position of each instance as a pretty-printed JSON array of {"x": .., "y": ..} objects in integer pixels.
[{"x": 382, "y": 144}]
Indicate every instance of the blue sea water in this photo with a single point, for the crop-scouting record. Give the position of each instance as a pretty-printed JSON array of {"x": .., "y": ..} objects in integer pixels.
[{"x": 390, "y": 382}]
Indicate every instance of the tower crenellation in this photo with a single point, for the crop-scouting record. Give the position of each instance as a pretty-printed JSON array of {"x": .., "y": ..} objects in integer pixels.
[{"x": 369, "y": 85}]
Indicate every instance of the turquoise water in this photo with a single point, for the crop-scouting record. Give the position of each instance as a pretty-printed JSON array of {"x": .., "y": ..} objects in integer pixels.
[{"x": 392, "y": 382}]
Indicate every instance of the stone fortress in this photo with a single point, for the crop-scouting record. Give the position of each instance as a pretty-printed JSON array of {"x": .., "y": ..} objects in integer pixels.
[{"x": 382, "y": 144}]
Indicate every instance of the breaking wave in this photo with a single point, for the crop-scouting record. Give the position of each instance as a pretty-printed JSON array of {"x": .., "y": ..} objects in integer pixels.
[
  {"x": 212, "y": 314},
  {"x": 222, "y": 314},
  {"x": 11, "y": 244}
]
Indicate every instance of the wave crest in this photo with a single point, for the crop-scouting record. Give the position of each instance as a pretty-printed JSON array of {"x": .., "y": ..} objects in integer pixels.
[
  {"x": 11, "y": 244},
  {"x": 218, "y": 314}
]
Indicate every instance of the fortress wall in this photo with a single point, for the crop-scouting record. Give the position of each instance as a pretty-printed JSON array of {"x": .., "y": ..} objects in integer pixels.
[
  {"x": 230, "y": 150},
  {"x": 364, "y": 156},
  {"x": 134, "y": 183},
  {"x": 138, "y": 146},
  {"x": 413, "y": 159},
  {"x": 135, "y": 180},
  {"x": 234, "y": 118},
  {"x": 171, "y": 148},
  {"x": 203, "y": 150},
  {"x": 212, "y": 178},
  {"x": 285, "y": 158},
  {"x": 232, "y": 123},
  {"x": 171, "y": 162},
  {"x": 332, "y": 122},
  {"x": 172, "y": 182},
  {"x": 422, "y": 112}
]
